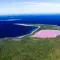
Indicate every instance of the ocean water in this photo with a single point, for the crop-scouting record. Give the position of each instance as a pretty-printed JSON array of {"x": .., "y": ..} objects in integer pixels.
[
  {"x": 8, "y": 29},
  {"x": 12, "y": 30},
  {"x": 53, "y": 19}
]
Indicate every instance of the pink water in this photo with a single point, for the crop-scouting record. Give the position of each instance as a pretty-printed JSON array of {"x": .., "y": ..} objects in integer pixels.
[{"x": 46, "y": 34}]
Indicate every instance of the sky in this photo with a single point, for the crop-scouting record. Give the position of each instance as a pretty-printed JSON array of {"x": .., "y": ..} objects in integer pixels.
[{"x": 29, "y": 7}]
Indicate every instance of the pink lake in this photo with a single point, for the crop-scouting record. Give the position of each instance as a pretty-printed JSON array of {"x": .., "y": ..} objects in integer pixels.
[{"x": 46, "y": 34}]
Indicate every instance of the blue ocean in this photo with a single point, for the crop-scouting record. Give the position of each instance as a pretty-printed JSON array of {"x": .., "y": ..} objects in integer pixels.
[{"x": 9, "y": 29}]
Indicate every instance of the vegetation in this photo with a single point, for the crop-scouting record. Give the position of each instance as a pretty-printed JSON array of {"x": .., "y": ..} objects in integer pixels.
[{"x": 28, "y": 48}]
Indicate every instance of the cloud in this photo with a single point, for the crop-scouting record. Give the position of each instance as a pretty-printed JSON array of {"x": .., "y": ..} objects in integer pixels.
[
  {"x": 41, "y": 8},
  {"x": 29, "y": 8},
  {"x": 11, "y": 8}
]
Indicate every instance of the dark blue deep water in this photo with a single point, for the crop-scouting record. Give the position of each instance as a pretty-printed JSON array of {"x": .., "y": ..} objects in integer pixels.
[
  {"x": 12, "y": 30},
  {"x": 8, "y": 29}
]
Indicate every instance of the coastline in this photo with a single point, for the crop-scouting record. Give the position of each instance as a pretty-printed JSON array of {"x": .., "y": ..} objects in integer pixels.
[
  {"x": 35, "y": 30},
  {"x": 23, "y": 24},
  {"x": 28, "y": 33}
]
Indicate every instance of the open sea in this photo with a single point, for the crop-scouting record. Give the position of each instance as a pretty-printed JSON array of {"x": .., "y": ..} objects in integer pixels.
[{"x": 9, "y": 29}]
